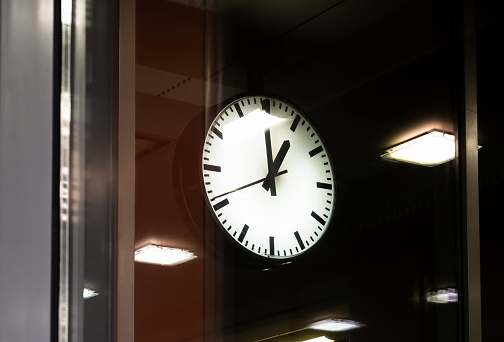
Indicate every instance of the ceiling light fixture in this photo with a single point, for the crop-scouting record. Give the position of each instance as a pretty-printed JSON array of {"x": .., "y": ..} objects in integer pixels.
[
  {"x": 161, "y": 255},
  {"x": 335, "y": 324},
  {"x": 443, "y": 296},
  {"x": 319, "y": 339},
  {"x": 429, "y": 149}
]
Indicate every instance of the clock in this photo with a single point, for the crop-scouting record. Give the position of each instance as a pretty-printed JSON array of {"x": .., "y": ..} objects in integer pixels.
[{"x": 268, "y": 177}]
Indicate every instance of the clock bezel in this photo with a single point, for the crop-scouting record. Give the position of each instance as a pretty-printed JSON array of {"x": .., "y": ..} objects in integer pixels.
[{"x": 217, "y": 110}]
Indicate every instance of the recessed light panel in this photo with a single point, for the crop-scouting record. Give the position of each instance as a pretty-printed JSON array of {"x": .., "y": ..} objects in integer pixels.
[
  {"x": 319, "y": 339},
  {"x": 160, "y": 255},
  {"x": 334, "y": 324},
  {"x": 430, "y": 149}
]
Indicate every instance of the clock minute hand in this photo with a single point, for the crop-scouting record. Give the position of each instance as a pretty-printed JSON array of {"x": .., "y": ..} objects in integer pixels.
[
  {"x": 247, "y": 185},
  {"x": 276, "y": 164},
  {"x": 269, "y": 156}
]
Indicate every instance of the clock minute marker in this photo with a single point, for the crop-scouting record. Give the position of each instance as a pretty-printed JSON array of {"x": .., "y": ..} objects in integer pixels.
[
  {"x": 299, "y": 240},
  {"x": 316, "y": 151},
  {"x": 209, "y": 167},
  {"x": 239, "y": 110},
  {"x": 326, "y": 186},
  {"x": 265, "y": 105},
  {"x": 272, "y": 245},
  {"x": 217, "y": 132},
  {"x": 243, "y": 233},
  {"x": 221, "y": 204},
  {"x": 295, "y": 123},
  {"x": 318, "y": 218}
]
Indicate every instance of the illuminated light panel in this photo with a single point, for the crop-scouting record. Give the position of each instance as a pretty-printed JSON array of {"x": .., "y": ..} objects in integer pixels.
[
  {"x": 88, "y": 293},
  {"x": 160, "y": 255},
  {"x": 443, "y": 296},
  {"x": 430, "y": 149},
  {"x": 319, "y": 339},
  {"x": 256, "y": 121},
  {"x": 335, "y": 324}
]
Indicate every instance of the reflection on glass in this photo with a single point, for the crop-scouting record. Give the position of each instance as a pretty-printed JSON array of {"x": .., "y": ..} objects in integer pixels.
[
  {"x": 443, "y": 296},
  {"x": 161, "y": 255},
  {"x": 335, "y": 324},
  {"x": 429, "y": 149},
  {"x": 88, "y": 293}
]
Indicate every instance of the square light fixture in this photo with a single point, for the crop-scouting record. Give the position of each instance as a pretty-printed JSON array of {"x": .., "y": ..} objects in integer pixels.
[
  {"x": 443, "y": 296},
  {"x": 335, "y": 324},
  {"x": 429, "y": 149},
  {"x": 161, "y": 255}
]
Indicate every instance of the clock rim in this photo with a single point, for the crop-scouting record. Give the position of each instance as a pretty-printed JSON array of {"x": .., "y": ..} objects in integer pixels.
[{"x": 218, "y": 109}]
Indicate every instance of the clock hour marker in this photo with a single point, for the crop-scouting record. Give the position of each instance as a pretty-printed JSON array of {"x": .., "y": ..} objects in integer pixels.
[
  {"x": 239, "y": 110},
  {"x": 316, "y": 151},
  {"x": 217, "y": 132},
  {"x": 318, "y": 218},
  {"x": 295, "y": 123},
  {"x": 324, "y": 186},
  {"x": 300, "y": 242},
  {"x": 221, "y": 204},
  {"x": 272, "y": 245},
  {"x": 210, "y": 167},
  {"x": 243, "y": 233},
  {"x": 265, "y": 104}
]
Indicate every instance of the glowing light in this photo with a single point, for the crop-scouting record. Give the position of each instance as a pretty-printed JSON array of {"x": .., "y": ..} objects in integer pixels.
[
  {"x": 319, "y": 339},
  {"x": 160, "y": 255},
  {"x": 430, "y": 149},
  {"x": 334, "y": 324},
  {"x": 443, "y": 296},
  {"x": 256, "y": 121},
  {"x": 88, "y": 293}
]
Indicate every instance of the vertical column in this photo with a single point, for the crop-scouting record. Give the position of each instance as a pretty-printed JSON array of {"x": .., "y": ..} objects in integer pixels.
[
  {"x": 26, "y": 169},
  {"x": 468, "y": 152}
]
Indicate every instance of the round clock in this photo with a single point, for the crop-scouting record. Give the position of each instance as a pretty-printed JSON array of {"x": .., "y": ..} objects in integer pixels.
[{"x": 268, "y": 177}]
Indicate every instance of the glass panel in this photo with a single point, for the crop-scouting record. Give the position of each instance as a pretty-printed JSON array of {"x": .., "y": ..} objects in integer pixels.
[
  {"x": 303, "y": 220},
  {"x": 490, "y": 22}
]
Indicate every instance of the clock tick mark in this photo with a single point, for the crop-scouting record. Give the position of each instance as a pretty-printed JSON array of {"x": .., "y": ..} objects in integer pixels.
[
  {"x": 243, "y": 233},
  {"x": 316, "y": 141},
  {"x": 308, "y": 129},
  {"x": 295, "y": 123},
  {"x": 221, "y": 204},
  {"x": 312, "y": 135},
  {"x": 238, "y": 110},
  {"x": 265, "y": 105},
  {"x": 217, "y": 132},
  {"x": 326, "y": 186},
  {"x": 316, "y": 151},
  {"x": 315, "y": 232},
  {"x": 300, "y": 242},
  {"x": 210, "y": 167},
  {"x": 318, "y": 218},
  {"x": 272, "y": 245},
  {"x": 319, "y": 228},
  {"x": 312, "y": 239},
  {"x": 224, "y": 222},
  {"x": 207, "y": 151}
]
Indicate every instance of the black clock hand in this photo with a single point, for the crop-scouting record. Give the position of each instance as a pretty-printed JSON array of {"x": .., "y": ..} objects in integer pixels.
[
  {"x": 276, "y": 164},
  {"x": 249, "y": 184},
  {"x": 269, "y": 156}
]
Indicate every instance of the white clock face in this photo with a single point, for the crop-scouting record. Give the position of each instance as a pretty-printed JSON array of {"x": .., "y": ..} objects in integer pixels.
[{"x": 268, "y": 177}]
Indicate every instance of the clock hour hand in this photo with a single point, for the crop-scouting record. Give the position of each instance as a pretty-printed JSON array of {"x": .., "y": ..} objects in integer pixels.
[
  {"x": 275, "y": 166},
  {"x": 269, "y": 156}
]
